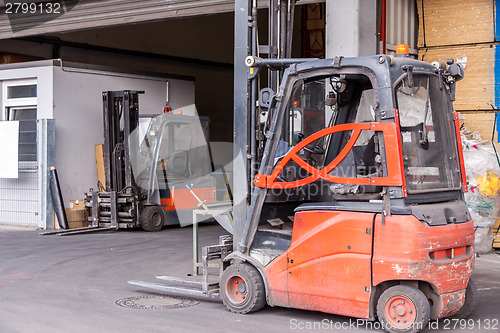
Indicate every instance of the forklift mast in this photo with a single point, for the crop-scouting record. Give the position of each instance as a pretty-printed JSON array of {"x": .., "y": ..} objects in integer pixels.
[
  {"x": 246, "y": 82},
  {"x": 120, "y": 119}
]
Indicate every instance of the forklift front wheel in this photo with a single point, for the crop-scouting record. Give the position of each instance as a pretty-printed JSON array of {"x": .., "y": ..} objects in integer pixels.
[
  {"x": 152, "y": 218},
  {"x": 403, "y": 309},
  {"x": 242, "y": 289}
]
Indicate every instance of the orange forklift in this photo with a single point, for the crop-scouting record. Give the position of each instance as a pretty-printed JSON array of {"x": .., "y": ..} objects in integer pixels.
[
  {"x": 358, "y": 211},
  {"x": 357, "y": 186}
]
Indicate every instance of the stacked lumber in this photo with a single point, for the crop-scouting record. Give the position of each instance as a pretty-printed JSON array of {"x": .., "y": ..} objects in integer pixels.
[
  {"x": 313, "y": 31},
  {"x": 496, "y": 234},
  {"x": 450, "y": 29}
]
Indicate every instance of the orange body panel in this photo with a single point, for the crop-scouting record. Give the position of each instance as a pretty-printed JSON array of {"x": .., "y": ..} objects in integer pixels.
[
  {"x": 403, "y": 246},
  {"x": 327, "y": 267},
  {"x": 448, "y": 304},
  {"x": 183, "y": 199}
]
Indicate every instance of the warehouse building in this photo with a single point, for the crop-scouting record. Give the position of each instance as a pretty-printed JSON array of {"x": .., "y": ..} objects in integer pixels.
[{"x": 190, "y": 39}]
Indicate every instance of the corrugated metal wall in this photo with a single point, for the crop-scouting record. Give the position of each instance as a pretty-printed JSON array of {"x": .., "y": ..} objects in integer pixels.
[
  {"x": 88, "y": 14},
  {"x": 402, "y": 24}
]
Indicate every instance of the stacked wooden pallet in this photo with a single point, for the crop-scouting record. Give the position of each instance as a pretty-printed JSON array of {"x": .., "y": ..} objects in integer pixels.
[
  {"x": 496, "y": 235},
  {"x": 313, "y": 30},
  {"x": 449, "y": 29}
]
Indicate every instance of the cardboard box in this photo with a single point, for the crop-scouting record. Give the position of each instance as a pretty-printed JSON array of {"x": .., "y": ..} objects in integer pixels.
[
  {"x": 75, "y": 214},
  {"x": 76, "y": 224},
  {"x": 77, "y": 204},
  {"x": 76, "y": 218}
]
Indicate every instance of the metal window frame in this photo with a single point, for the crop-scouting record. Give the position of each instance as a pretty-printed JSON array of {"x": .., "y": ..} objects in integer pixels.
[
  {"x": 19, "y": 103},
  {"x": 9, "y": 102}
]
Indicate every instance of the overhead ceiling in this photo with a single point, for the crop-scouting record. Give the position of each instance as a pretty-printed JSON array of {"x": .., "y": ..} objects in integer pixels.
[{"x": 43, "y": 17}]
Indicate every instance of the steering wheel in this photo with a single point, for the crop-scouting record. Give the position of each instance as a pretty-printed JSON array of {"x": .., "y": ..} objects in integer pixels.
[{"x": 318, "y": 150}]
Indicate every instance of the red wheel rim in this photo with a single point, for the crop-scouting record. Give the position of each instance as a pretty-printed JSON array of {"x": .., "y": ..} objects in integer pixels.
[
  {"x": 400, "y": 312},
  {"x": 236, "y": 289}
]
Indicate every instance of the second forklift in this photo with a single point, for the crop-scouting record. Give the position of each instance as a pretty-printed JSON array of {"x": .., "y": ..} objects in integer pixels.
[{"x": 148, "y": 167}]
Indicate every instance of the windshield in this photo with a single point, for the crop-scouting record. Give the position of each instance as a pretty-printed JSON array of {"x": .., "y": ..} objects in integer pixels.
[
  {"x": 306, "y": 114},
  {"x": 427, "y": 134},
  {"x": 173, "y": 148},
  {"x": 329, "y": 128}
]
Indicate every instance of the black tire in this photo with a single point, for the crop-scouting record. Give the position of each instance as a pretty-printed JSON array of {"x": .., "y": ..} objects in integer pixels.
[
  {"x": 471, "y": 297},
  {"x": 242, "y": 289},
  {"x": 152, "y": 218},
  {"x": 403, "y": 309}
]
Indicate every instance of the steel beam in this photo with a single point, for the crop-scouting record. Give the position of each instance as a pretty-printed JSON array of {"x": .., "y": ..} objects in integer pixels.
[{"x": 242, "y": 47}]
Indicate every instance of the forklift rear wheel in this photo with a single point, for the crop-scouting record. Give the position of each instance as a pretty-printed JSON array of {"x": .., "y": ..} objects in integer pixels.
[
  {"x": 242, "y": 289},
  {"x": 152, "y": 218},
  {"x": 471, "y": 296},
  {"x": 403, "y": 309}
]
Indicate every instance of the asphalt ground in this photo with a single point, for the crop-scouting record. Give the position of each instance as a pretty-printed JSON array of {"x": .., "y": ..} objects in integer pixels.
[{"x": 73, "y": 284}]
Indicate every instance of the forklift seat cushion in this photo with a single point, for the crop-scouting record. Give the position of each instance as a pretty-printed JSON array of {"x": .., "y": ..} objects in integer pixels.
[{"x": 178, "y": 164}]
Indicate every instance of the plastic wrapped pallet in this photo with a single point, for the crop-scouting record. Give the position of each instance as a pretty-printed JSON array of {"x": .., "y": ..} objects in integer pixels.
[
  {"x": 483, "y": 232},
  {"x": 483, "y": 198}
]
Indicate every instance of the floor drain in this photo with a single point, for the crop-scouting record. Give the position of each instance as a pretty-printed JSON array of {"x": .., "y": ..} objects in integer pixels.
[{"x": 156, "y": 302}]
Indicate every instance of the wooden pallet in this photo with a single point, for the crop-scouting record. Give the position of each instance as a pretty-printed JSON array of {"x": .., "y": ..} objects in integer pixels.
[
  {"x": 477, "y": 90},
  {"x": 496, "y": 233}
]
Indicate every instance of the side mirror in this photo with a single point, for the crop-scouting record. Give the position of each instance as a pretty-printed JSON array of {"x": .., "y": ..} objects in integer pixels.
[
  {"x": 338, "y": 84},
  {"x": 456, "y": 71}
]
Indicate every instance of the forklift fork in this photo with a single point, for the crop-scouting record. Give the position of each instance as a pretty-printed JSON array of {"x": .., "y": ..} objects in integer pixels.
[
  {"x": 190, "y": 288},
  {"x": 94, "y": 226}
]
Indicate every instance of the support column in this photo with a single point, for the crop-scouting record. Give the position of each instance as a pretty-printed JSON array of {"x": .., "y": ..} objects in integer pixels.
[
  {"x": 351, "y": 28},
  {"x": 242, "y": 11},
  {"x": 46, "y": 159}
]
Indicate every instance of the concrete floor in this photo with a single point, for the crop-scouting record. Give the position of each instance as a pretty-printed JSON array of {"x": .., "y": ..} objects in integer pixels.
[{"x": 71, "y": 284}]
